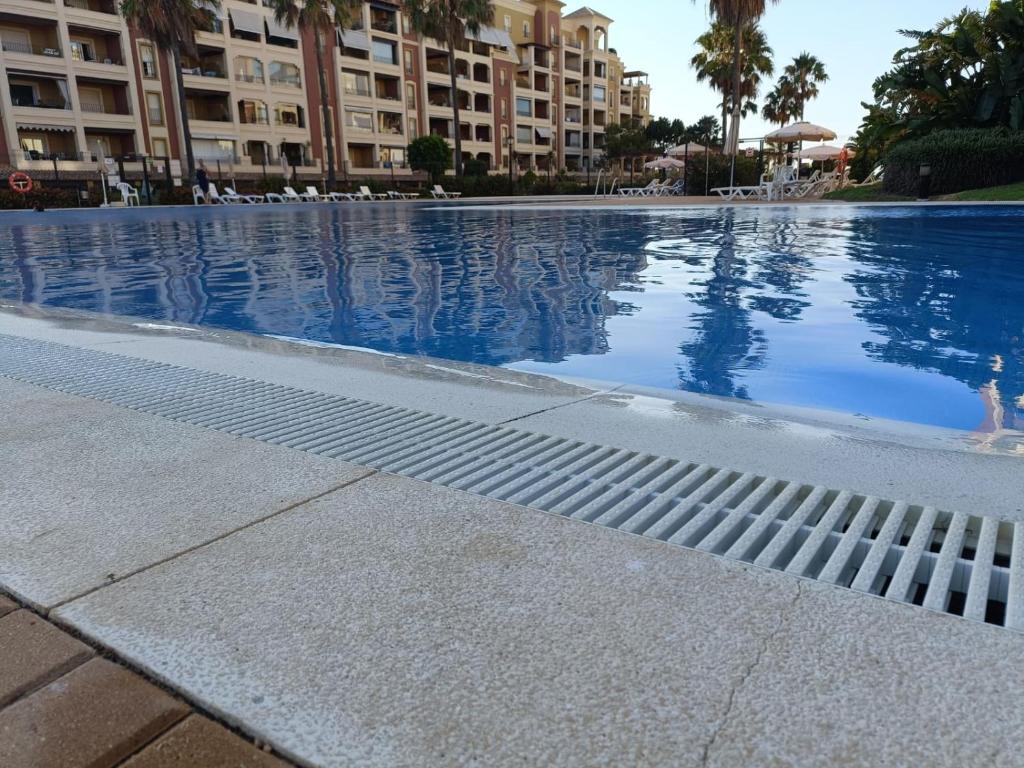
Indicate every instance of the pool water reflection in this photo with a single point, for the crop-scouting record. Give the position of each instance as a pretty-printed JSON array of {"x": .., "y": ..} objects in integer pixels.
[{"x": 911, "y": 314}]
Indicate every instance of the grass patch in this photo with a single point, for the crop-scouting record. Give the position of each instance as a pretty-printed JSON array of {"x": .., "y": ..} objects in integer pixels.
[
  {"x": 873, "y": 193},
  {"x": 1009, "y": 192}
]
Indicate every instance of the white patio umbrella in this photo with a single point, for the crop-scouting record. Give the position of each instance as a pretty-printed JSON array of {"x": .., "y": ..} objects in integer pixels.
[
  {"x": 800, "y": 132},
  {"x": 823, "y": 152},
  {"x": 690, "y": 148},
  {"x": 665, "y": 164},
  {"x": 794, "y": 132}
]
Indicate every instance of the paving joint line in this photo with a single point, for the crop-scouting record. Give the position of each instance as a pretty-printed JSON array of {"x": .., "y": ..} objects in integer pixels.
[
  {"x": 584, "y": 399},
  {"x": 202, "y": 545}
]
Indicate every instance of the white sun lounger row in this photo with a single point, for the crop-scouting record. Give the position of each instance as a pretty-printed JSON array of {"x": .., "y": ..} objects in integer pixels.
[{"x": 311, "y": 195}]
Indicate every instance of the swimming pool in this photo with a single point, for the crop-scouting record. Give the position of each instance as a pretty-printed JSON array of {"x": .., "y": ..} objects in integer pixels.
[{"x": 915, "y": 314}]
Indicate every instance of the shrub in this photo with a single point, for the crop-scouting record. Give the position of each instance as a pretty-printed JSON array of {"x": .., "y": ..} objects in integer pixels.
[
  {"x": 719, "y": 170},
  {"x": 969, "y": 158},
  {"x": 431, "y": 154},
  {"x": 48, "y": 197},
  {"x": 475, "y": 167}
]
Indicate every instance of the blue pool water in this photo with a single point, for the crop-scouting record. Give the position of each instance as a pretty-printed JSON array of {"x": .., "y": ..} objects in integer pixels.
[{"x": 914, "y": 314}]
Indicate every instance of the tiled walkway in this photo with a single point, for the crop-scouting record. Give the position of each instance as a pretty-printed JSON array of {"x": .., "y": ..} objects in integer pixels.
[{"x": 63, "y": 705}]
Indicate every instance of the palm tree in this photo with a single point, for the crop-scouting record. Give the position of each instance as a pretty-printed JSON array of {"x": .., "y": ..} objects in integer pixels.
[
  {"x": 713, "y": 63},
  {"x": 321, "y": 17},
  {"x": 737, "y": 14},
  {"x": 449, "y": 21},
  {"x": 805, "y": 73},
  {"x": 780, "y": 104},
  {"x": 171, "y": 26}
]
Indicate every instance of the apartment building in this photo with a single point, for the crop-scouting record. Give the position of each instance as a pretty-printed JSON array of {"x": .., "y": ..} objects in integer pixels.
[{"x": 536, "y": 89}]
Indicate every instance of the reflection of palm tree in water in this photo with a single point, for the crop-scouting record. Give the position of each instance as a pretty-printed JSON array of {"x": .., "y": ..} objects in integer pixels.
[
  {"x": 724, "y": 341},
  {"x": 782, "y": 266},
  {"x": 940, "y": 304}
]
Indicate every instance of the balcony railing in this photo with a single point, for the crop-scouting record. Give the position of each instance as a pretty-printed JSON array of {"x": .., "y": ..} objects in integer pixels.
[
  {"x": 243, "y": 77},
  {"x": 200, "y": 72},
  {"x": 41, "y": 103},
  {"x": 293, "y": 80},
  {"x": 31, "y": 155},
  {"x": 85, "y": 5},
  {"x": 95, "y": 107},
  {"x": 16, "y": 46}
]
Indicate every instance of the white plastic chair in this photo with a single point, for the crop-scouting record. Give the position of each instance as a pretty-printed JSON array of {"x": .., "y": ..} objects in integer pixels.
[
  {"x": 129, "y": 194},
  {"x": 198, "y": 198}
]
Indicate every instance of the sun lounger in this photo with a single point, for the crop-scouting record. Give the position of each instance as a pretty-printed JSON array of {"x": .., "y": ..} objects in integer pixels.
[
  {"x": 216, "y": 197},
  {"x": 312, "y": 194},
  {"x": 401, "y": 195},
  {"x": 366, "y": 194},
  {"x": 275, "y": 197},
  {"x": 439, "y": 193},
  {"x": 229, "y": 192},
  {"x": 639, "y": 191},
  {"x": 338, "y": 197}
]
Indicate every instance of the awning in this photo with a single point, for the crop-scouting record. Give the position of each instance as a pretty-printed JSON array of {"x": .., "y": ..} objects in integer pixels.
[
  {"x": 355, "y": 38},
  {"x": 53, "y": 128},
  {"x": 492, "y": 36},
  {"x": 281, "y": 31},
  {"x": 543, "y": 133},
  {"x": 244, "y": 21}
]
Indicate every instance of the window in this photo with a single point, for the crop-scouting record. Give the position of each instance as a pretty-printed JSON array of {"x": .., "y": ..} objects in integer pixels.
[
  {"x": 155, "y": 109},
  {"x": 524, "y": 134},
  {"x": 414, "y": 128},
  {"x": 355, "y": 83},
  {"x": 406, "y": 24},
  {"x": 526, "y": 29},
  {"x": 82, "y": 50},
  {"x": 359, "y": 119},
  {"x": 410, "y": 67},
  {"x": 160, "y": 148},
  {"x": 283, "y": 73},
  {"x": 504, "y": 108},
  {"x": 384, "y": 52},
  {"x": 34, "y": 144},
  {"x": 410, "y": 95},
  {"x": 503, "y": 78},
  {"x": 23, "y": 95},
  {"x": 289, "y": 115},
  {"x": 524, "y": 108},
  {"x": 148, "y": 59},
  {"x": 599, "y": 93},
  {"x": 508, "y": 23},
  {"x": 248, "y": 70},
  {"x": 253, "y": 112}
]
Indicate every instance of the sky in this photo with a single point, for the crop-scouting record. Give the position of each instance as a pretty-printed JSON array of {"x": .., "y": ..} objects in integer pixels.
[{"x": 856, "y": 40}]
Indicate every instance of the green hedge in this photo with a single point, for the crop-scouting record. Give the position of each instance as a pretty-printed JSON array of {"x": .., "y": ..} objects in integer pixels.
[
  {"x": 718, "y": 170},
  {"x": 970, "y": 158}
]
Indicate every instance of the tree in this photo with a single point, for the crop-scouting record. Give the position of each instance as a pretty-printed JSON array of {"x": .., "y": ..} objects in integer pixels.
[
  {"x": 622, "y": 142},
  {"x": 171, "y": 26},
  {"x": 966, "y": 72},
  {"x": 663, "y": 133},
  {"x": 780, "y": 103},
  {"x": 431, "y": 154},
  {"x": 714, "y": 64},
  {"x": 448, "y": 21},
  {"x": 704, "y": 131},
  {"x": 320, "y": 17},
  {"x": 737, "y": 14},
  {"x": 804, "y": 76}
]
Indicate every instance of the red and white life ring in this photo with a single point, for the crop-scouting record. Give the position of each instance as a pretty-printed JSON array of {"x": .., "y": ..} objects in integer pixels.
[{"x": 20, "y": 182}]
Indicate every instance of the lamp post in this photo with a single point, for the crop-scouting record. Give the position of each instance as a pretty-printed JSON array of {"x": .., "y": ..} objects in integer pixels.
[{"x": 510, "y": 142}]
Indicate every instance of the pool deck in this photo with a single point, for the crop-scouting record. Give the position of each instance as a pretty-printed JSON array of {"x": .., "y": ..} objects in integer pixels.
[{"x": 346, "y": 616}]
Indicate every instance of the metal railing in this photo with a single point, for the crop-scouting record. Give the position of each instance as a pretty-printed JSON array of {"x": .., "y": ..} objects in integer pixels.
[
  {"x": 293, "y": 80},
  {"x": 95, "y": 107},
  {"x": 200, "y": 72},
  {"x": 16, "y": 46},
  {"x": 244, "y": 78},
  {"x": 41, "y": 103}
]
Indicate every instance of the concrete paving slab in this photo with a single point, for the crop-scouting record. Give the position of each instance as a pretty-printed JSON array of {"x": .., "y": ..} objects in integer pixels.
[
  {"x": 34, "y": 653},
  {"x": 820, "y": 455},
  {"x": 397, "y": 623},
  {"x": 90, "y": 492},
  {"x": 859, "y": 682},
  {"x": 6, "y": 606},
  {"x": 93, "y": 717},
  {"x": 197, "y": 742}
]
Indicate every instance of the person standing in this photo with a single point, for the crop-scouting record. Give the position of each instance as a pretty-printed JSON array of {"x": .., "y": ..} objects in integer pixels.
[{"x": 203, "y": 180}]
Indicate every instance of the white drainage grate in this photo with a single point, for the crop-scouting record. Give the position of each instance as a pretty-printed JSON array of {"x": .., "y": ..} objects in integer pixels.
[{"x": 955, "y": 563}]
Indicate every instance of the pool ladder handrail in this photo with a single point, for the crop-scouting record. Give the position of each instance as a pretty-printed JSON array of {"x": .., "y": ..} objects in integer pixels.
[{"x": 600, "y": 190}]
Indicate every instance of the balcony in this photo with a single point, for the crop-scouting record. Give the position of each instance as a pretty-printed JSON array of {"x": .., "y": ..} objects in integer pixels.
[
  {"x": 36, "y": 92},
  {"x": 437, "y": 63},
  {"x": 439, "y": 97},
  {"x": 289, "y": 116},
  {"x": 389, "y": 123},
  {"x": 38, "y": 43},
  {"x": 291, "y": 81},
  {"x": 96, "y": 97},
  {"x": 208, "y": 107},
  {"x": 383, "y": 21},
  {"x": 96, "y": 6},
  {"x": 387, "y": 88},
  {"x": 253, "y": 113}
]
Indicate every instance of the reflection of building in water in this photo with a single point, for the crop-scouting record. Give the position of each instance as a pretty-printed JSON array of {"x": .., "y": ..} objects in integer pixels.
[
  {"x": 940, "y": 305},
  {"x": 486, "y": 288}
]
